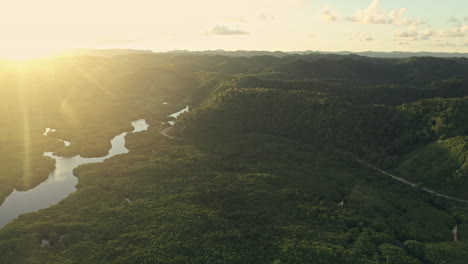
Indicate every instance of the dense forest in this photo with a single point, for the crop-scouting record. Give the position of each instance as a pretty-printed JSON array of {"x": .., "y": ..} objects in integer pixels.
[{"x": 264, "y": 168}]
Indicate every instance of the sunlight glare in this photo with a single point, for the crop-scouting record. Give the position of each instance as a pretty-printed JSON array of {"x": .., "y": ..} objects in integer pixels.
[{"x": 25, "y": 52}]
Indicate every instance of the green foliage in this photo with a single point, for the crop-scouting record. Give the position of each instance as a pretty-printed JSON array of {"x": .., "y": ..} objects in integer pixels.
[
  {"x": 263, "y": 174},
  {"x": 449, "y": 253},
  {"x": 441, "y": 164}
]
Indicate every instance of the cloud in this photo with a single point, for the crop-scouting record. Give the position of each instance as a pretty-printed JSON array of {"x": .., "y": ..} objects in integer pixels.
[
  {"x": 397, "y": 17},
  {"x": 361, "y": 36},
  {"x": 371, "y": 15},
  {"x": 409, "y": 33},
  {"x": 456, "y": 21},
  {"x": 451, "y": 44},
  {"x": 455, "y": 32},
  {"x": 327, "y": 14},
  {"x": 374, "y": 14},
  {"x": 453, "y": 36},
  {"x": 414, "y": 33},
  {"x": 225, "y": 31},
  {"x": 458, "y": 29},
  {"x": 427, "y": 34}
]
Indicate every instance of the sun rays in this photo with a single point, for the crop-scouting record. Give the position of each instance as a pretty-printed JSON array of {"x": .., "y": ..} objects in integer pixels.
[{"x": 25, "y": 121}]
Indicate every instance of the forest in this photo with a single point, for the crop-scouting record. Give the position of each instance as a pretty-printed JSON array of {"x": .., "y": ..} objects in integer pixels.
[{"x": 263, "y": 168}]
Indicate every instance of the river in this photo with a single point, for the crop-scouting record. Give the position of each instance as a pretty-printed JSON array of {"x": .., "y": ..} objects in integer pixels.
[{"x": 61, "y": 181}]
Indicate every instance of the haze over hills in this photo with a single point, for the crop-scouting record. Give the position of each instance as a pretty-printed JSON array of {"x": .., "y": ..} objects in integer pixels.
[
  {"x": 102, "y": 52},
  {"x": 251, "y": 53}
]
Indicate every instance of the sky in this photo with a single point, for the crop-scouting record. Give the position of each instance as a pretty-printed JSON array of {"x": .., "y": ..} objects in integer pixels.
[{"x": 31, "y": 28}]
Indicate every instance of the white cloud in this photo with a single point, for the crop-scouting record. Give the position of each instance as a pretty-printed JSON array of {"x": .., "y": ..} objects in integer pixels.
[
  {"x": 374, "y": 14},
  {"x": 414, "y": 33},
  {"x": 371, "y": 15},
  {"x": 427, "y": 34},
  {"x": 222, "y": 30},
  {"x": 327, "y": 14},
  {"x": 454, "y": 36},
  {"x": 410, "y": 33},
  {"x": 455, "y": 32},
  {"x": 459, "y": 28},
  {"x": 396, "y": 15}
]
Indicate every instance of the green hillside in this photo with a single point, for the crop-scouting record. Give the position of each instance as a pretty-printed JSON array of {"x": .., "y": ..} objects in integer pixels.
[{"x": 267, "y": 170}]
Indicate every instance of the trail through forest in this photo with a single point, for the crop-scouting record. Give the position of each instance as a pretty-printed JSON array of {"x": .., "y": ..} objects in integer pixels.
[{"x": 414, "y": 185}]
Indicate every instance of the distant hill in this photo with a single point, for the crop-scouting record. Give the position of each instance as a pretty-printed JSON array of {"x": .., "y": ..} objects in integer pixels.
[
  {"x": 237, "y": 53},
  {"x": 252, "y": 53},
  {"x": 372, "y": 54},
  {"x": 393, "y": 54}
]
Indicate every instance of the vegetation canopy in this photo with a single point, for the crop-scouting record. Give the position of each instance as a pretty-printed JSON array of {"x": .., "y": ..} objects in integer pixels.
[{"x": 263, "y": 168}]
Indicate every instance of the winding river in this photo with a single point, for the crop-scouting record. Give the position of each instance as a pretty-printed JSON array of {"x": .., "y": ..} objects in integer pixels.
[
  {"x": 165, "y": 132},
  {"x": 61, "y": 181}
]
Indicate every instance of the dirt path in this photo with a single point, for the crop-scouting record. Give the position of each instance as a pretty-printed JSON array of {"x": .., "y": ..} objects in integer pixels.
[
  {"x": 165, "y": 132},
  {"x": 414, "y": 185}
]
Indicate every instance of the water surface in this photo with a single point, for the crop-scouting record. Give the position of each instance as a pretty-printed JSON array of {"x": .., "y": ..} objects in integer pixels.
[
  {"x": 61, "y": 181},
  {"x": 177, "y": 114}
]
